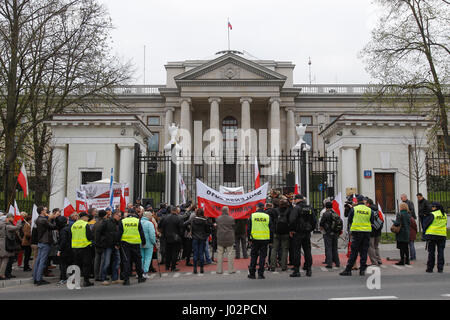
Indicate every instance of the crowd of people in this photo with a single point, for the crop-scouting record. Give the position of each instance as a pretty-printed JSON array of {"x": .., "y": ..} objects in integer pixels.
[{"x": 110, "y": 246}]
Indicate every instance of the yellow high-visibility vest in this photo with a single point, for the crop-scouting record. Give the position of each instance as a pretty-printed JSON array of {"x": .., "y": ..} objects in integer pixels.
[
  {"x": 78, "y": 230},
  {"x": 131, "y": 231},
  {"x": 439, "y": 225},
  {"x": 361, "y": 219},
  {"x": 260, "y": 226}
]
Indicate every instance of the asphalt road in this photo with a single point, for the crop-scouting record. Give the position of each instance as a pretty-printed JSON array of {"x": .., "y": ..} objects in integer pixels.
[{"x": 396, "y": 283}]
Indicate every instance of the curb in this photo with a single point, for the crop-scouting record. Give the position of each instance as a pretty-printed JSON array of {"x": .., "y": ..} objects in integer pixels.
[{"x": 15, "y": 282}]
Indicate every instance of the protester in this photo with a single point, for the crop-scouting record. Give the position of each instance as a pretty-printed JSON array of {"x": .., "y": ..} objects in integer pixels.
[
  {"x": 412, "y": 238},
  {"x": 280, "y": 223},
  {"x": 7, "y": 234},
  {"x": 26, "y": 242},
  {"x": 45, "y": 224},
  {"x": 150, "y": 241},
  {"x": 410, "y": 204},
  {"x": 329, "y": 224},
  {"x": 435, "y": 226},
  {"x": 172, "y": 229},
  {"x": 402, "y": 237},
  {"x": 65, "y": 253},
  {"x": 108, "y": 239},
  {"x": 201, "y": 229},
  {"x": 240, "y": 236},
  {"x": 225, "y": 240},
  {"x": 375, "y": 236},
  {"x": 424, "y": 209},
  {"x": 102, "y": 214},
  {"x": 259, "y": 234}
]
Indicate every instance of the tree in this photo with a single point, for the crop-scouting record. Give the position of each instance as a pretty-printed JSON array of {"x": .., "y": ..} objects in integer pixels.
[
  {"x": 410, "y": 50},
  {"x": 54, "y": 58}
]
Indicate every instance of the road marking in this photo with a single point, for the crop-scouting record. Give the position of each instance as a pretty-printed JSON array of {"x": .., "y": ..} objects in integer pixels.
[
  {"x": 446, "y": 295},
  {"x": 366, "y": 298},
  {"x": 408, "y": 266},
  {"x": 275, "y": 272},
  {"x": 398, "y": 267}
]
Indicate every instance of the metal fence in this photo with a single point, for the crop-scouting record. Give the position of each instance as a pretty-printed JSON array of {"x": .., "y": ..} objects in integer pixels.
[
  {"x": 438, "y": 178},
  {"x": 238, "y": 171}
]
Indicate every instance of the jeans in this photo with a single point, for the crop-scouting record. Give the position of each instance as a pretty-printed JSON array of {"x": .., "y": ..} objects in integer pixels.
[
  {"x": 360, "y": 244},
  {"x": 146, "y": 254},
  {"x": 107, "y": 253},
  {"x": 280, "y": 241},
  {"x": 41, "y": 261},
  {"x": 432, "y": 245},
  {"x": 198, "y": 246},
  {"x": 331, "y": 249},
  {"x": 207, "y": 255},
  {"x": 412, "y": 250},
  {"x": 259, "y": 249},
  {"x": 241, "y": 240}
]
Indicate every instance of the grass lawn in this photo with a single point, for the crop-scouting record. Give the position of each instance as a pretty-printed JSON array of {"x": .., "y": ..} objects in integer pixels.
[{"x": 390, "y": 237}]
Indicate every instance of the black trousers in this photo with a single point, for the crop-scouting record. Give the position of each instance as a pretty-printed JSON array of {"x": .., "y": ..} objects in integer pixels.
[
  {"x": 360, "y": 245},
  {"x": 432, "y": 245},
  {"x": 259, "y": 249},
  {"x": 301, "y": 241},
  {"x": 187, "y": 248},
  {"x": 131, "y": 254},
  {"x": 64, "y": 262},
  {"x": 83, "y": 259},
  {"x": 27, "y": 255},
  {"x": 404, "y": 251},
  {"x": 172, "y": 250}
]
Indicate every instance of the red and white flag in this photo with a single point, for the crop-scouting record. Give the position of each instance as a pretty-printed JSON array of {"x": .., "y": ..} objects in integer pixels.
[
  {"x": 354, "y": 200},
  {"x": 338, "y": 206},
  {"x": 16, "y": 212},
  {"x": 123, "y": 203},
  {"x": 23, "y": 180},
  {"x": 230, "y": 26},
  {"x": 380, "y": 213},
  {"x": 68, "y": 208},
  {"x": 296, "y": 189},
  {"x": 257, "y": 175}
]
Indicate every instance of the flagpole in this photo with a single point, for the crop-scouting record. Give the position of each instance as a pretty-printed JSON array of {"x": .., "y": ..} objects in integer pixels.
[{"x": 228, "y": 27}]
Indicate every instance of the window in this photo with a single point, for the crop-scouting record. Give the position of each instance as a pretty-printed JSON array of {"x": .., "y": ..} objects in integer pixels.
[
  {"x": 90, "y": 176},
  {"x": 332, "y": 118},
  {"x": 306, "y": 120},
  {"x": 153, "y": 142},
  {"x": 308, "y": 138},
  {"x": 153, "y": 121}
]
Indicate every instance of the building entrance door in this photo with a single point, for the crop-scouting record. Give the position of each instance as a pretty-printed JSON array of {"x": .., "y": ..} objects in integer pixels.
[{"x": 385, "y": 191}]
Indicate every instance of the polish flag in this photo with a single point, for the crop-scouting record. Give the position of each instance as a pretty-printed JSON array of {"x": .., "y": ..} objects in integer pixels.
[
  {"x": 230, "y": 26},
  {"x": 338, "y": 207},
  {"x": 23, "y": 180},
  {"x": 123, "y": 203},
  {"x": 16, "y": 212},
  {"x": 380, "y": 213},
  {"x": 34, "y": 216},
  {"x": 296, "y": 184},
  {"x": 68, "y": 208},
  {"x": 354, "y": 200},
  {"x": 257, "y": 176}
]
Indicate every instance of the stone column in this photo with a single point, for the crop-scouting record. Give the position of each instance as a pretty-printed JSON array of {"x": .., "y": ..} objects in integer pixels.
[
  {"x": 168, "y": 122},
  {"x": 246, "y": 126},
  {"x": 126, "y": 166},
  {"x": 185, "y": 125},
  {"x": 214, "y": 126},
  {"x": 349, "y": 168},
  {"x": 275, "y": 147},
  {"x": 290, "y": 129},
  {"x": 59, "y": 177}
]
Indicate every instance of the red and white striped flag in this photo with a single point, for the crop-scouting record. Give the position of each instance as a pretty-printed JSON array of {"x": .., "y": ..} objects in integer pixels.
[
  {"x": 123, "y": 203},
  {"x": 23, "y": 180},
  {"x": 354, "y": 200},
  {"x": 257, "y": 175},
  {"x": 380, "y": 213},
  {"x": 338, "y": 206},
  {"x": 68, "y": 208},
  {"x": 296, "y": 189},
  {"x": 16, "y": 212}
]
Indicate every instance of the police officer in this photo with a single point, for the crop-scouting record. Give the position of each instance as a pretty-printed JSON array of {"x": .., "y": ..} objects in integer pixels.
[
  {"x": 435, "y": 226},
  {"x": 360, "y": 219},
  {"x": 82, "y": 246},
  {"x": 131, "y": 236},
  {"x": 302, "y": 222},
  {"x": 260, "y": 237}
]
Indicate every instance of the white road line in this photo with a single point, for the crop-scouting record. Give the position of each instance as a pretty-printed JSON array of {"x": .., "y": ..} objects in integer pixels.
[
  {"x": 398, "y": 267},
  {"x": 366, "y": 298},
  {"x": 445, "y": 295}
]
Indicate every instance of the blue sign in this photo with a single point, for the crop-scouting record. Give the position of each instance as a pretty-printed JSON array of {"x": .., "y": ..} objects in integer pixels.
[
  {"x": 320, "y": 187},
  {"x": 367, "y": 174}
]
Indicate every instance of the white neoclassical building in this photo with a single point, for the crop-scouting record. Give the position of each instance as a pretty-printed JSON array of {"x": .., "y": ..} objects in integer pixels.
[{"x": 232, "y": 92}]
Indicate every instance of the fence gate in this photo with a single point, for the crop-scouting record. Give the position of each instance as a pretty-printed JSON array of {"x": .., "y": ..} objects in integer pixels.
[
  {"x": 320, "y": 174},
  {"x": 438, "y": 178}
]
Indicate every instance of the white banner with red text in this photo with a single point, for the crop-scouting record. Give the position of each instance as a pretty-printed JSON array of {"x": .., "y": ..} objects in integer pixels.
[{"x": 97, "y": 195}]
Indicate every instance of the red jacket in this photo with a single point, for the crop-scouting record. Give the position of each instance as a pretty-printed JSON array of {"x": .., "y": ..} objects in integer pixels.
[{"x": 412, "y": 229}]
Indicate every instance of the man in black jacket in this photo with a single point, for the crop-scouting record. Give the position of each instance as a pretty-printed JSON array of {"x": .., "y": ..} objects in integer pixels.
[
  {"x": 424, "y": 208},
  {"x": 301, "y": 223},
  {"x": 64, "y": 247},
  {"x": 172, "y": 228},
  {"x": 108, "y": 239},
  {"x": 330, "y": 237}
]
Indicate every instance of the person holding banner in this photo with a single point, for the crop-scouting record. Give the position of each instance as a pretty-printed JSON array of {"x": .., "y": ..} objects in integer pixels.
[{"x": 260, "y": 236}]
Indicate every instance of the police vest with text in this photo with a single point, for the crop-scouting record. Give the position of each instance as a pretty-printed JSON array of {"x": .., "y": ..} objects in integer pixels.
[
  {"x": 439, "y": 225},
  {"x": 361, "y": 219},
  {"x": 79, "y": 239},
  {"x": 260, "y": 226},
  {"x": 131, "y": 231}
]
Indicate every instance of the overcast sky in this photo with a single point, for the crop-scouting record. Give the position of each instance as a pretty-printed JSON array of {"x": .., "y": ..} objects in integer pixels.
[{"x": 331, "y": 32}]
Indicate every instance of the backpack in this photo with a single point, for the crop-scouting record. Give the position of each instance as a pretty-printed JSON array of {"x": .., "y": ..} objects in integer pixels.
[
  {"x": 337, "y": 224},
  {"x": 304, "y": 221},
  {"x": 282, "y": 225},
  {"x": 377, "y": 222}
]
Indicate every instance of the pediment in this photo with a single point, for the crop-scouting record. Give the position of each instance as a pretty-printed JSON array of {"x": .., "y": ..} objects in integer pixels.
[{"x": 230, "y": 67}]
